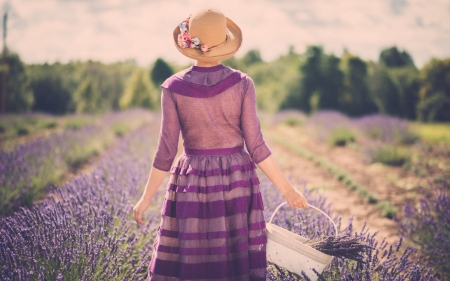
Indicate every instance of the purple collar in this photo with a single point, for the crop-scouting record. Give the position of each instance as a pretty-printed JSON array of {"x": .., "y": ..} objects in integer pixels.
[
  {"x": 207, "y": 69},
  {"x": 178, "y": 85}
]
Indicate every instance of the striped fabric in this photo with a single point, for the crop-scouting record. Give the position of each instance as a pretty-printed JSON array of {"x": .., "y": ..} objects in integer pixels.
[{"x": 212, "y": 223}]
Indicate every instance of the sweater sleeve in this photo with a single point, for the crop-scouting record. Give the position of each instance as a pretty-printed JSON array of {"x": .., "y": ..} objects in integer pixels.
[
  {"x": 169, "y": 133},
  {"x": 250, "y": 125}
]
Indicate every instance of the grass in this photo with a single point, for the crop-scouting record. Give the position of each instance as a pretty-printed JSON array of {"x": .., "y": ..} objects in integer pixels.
[{"x": 434, "y": 132}]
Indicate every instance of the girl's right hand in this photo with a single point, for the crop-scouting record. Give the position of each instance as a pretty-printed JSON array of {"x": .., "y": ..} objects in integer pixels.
[{"x": 295, "y": 198}]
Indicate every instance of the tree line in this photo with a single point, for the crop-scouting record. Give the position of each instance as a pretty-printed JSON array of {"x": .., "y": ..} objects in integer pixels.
[{"x": 308, "y": 81}]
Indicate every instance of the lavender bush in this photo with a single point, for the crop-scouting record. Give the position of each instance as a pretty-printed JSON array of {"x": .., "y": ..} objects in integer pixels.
[
  {"x": 428, "y": 227},
  {"x": 386, "y": 128},
  {"x": 27, "y": 171},
  {"x": 87, "y": 232},
  {"x": 331, "y": 126},
  {"x": 385, "y": 262}
]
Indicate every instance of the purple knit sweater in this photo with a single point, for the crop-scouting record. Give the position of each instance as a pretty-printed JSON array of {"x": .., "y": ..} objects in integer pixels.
[{"x": 215, "y": 110}]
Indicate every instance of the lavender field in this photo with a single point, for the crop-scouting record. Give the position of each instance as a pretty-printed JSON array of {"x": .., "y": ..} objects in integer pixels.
[{"x": 85, "y": 230}]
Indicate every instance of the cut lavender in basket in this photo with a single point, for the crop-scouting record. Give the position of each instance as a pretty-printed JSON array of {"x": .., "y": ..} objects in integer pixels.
[{"x": 342, "y": 246}]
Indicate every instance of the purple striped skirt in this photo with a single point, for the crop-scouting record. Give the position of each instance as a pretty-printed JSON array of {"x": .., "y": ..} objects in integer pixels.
[{"x": 212, "y": 223}]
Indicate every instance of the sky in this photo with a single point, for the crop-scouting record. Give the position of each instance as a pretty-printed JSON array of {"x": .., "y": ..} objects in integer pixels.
[{"x": 114, "y": 30}]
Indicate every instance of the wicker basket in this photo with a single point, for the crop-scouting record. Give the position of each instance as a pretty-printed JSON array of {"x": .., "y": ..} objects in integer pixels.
[{"x": 286, "y": 249}]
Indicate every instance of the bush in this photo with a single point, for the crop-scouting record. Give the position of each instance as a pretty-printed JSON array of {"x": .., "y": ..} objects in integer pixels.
[
  {"x": 21, "y": 131},
  {"x": 341, "y": 137},
  {"x": 387, "y": 209},
  {"x": 293, "y": 122},
  {"x": 389, "y": 154}
]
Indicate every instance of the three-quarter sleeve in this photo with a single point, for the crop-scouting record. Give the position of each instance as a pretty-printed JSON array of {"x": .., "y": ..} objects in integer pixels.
[
  {"x": 250, "y": 125},
  {"x": 169, "y": 133}
]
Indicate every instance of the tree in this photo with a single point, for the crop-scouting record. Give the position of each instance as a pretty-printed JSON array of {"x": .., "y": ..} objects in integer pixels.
[
  {"x": 311, "y": 77},
  {"x": 331, "y": 86},
  {"x": 356, "y": 99},
  {"x": 251, "y": 57},
  {"x": 51, "y": 94},
  {"x": 160, "y": 72},
  {"x": 434, "y": 92},
  {"x": 407, "y": 82},
  {"x": 87, "y": 97},
  {"x": 392, "y": 57},
  {"x": 384, "y": 91},
  {"x": 19, "y": 97},
  {"x": 139, "y": 92}
]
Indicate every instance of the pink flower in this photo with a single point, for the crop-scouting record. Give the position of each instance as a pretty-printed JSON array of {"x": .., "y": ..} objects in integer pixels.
[
  {"x": 186, "y": 37},
  {"x": 188, "y": 43},
  {"x": 204, "y": 48}
]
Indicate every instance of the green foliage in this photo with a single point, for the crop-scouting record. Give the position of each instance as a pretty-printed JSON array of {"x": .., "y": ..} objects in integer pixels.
[
  {"x": 384, "y": 91},
  {"x": 55, "y": 86},
  {"x": 407, "y": 81},
  {"x": 341, "y": 137},
  {"x": 251, "y": 57},
  {"x": 51, "y": 89},
  {"x": 356, "y": 99},
  {"x": 390, "y": 155},
  {"x": 310, "y": 80},
  {"x": 139, "y": 92},
  {"x": 19, "y": 97},
  {"x": 332, "y": 84},
  {"x": 22, "y": 131},
  {"x": 434, "y": 108},
  {"x": 293, "y": 121},
  {"x": 160, "y": 71},
  {"x": 78, "y": 154},
  {"x": 387, "y": 209},
  {"x": 435, "y": 91},
  {"x": 87, "y": 97},
  {"x": 392, "y": 57}
]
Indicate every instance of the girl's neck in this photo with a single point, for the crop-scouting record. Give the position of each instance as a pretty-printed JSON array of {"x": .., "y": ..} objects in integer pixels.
[{"x": 206, "y": 64}]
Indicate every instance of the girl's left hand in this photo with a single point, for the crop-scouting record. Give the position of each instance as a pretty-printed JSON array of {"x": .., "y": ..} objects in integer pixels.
[{"x": 139, "y": 209}]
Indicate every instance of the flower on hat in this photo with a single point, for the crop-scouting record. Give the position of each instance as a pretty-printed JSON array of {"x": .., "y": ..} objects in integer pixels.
[
  {"x": 196, "y": 41},
  {"x": 185, "y": 40},
  {"x": 186, "y": 37}
]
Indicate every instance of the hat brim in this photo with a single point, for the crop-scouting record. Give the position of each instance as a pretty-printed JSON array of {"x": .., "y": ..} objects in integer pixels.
[{"x": 222, "y": 52}]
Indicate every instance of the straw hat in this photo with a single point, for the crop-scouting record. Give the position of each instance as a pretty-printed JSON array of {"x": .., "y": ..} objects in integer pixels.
[{"x": 208, "y": 36}]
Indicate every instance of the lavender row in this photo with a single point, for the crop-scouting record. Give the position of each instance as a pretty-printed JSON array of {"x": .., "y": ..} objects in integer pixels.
[
  {"x": 384, "y": 262},
  {"x": 28, "y": 170},
  {"x": 427, "y": 225},
  {"x": 87, "y": 233},
  {"x": 381, "y": 127}
]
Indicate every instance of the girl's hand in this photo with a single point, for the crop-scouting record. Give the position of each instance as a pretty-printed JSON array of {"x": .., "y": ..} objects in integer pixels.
[
  {"x": 139, "y": 210},
  {"x": 295, "y": 198}
]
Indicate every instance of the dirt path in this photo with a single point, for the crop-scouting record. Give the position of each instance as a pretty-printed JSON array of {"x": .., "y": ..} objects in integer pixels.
[{"x": 344, "y": 201}]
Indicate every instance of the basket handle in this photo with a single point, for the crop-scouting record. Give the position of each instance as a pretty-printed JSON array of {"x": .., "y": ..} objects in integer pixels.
[{"x": 309, "y": 205}]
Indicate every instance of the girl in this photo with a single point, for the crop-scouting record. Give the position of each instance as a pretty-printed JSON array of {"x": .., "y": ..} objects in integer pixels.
[{"x": 212, "y": 225}]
